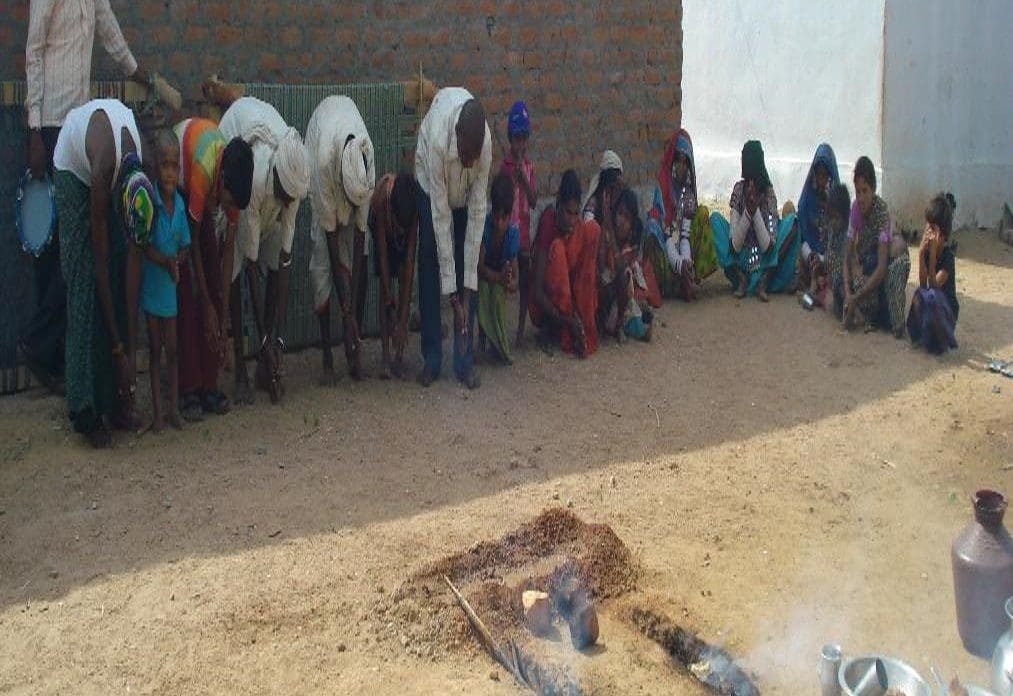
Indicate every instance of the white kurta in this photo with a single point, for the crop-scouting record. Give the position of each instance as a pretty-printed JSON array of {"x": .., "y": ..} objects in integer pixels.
[
  {"x": 266, "y": 227},
  {"x": 333, "y": 121},
  {"x": 450, "y": 185}
]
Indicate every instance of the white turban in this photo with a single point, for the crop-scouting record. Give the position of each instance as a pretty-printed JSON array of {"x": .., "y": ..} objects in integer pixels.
[
  {"x": 358, "y": 170},
  {"x": 292, "y": 163},
  {"x": 609, "y": 160}
]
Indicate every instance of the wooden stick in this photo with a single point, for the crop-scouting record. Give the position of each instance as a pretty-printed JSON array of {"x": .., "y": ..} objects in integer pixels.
[{"x": 488, "y": 642}]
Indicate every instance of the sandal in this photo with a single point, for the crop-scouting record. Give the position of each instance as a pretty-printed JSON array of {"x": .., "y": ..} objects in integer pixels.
[
  {"x": 99, "y": 438},
  {"x": 426, "y": 377},
  {"x": 191, "y": 409},
  {"x": 470, "y": 380},
  {"x": 215, "y": 402}
]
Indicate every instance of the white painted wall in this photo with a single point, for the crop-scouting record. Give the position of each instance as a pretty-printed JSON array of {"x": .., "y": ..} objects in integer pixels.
[
  {"x": 948, "y": 107},
  {"x": 792, "y": 74}
]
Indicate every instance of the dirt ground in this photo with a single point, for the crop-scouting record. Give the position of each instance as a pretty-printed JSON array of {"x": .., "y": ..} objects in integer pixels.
[{"x": 780, "y": 484}]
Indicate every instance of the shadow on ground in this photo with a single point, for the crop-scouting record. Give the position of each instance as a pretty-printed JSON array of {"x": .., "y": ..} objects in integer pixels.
[{"x": 720, "y": 370}]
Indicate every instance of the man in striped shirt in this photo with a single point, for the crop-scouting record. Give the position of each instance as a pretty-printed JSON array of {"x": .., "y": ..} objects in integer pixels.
[{"x": 61, "y": 35}]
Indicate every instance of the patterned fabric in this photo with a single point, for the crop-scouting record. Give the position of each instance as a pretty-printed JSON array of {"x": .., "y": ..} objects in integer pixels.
[
  {"x": 767, "y": 209},
  {"x": 782, "y": 263},
  {"x": 681, "y": 233},
  {"x": 883, "y": 309},
  {"x": 90, "y": 376},
  {"x": 701, "y": 244},
  {"x": 138, "y": 201},
  {"x": 835, "y": 249},
  {"x": 200, "y": 147},
  {"x": 872, "y": 229},
  {"x": 896, "y": 291}
]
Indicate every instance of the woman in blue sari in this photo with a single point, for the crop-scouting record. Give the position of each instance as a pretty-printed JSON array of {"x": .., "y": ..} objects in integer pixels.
[
  {"x": 756, "y": 249},
  {"x": 814, "y": 222}
]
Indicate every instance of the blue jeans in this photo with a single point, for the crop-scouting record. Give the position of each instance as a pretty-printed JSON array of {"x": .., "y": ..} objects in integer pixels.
[{"x": 429, "y": 290}]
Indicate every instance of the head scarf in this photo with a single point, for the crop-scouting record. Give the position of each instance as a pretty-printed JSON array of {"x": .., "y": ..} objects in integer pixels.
[
  {"x": 609, "y": 160},
  {"x": 138, "y": 202},
  {"x": 752, "y": 164},
  {"x": 292, "y": 163},
  {"x": 358, "y": 170},
  {"x": 808, "y": 200},
  {"x": 679, "y": 143},
  {"x": 519, "y": 122}
]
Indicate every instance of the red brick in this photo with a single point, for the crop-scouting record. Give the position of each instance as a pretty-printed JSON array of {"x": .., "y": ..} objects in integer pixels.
[
  {"x": 270, "y": 63},
  {"x": 227, "y": 35},
  {"x": 582, "y": 67},
  {"x": 291, "y": 37}
]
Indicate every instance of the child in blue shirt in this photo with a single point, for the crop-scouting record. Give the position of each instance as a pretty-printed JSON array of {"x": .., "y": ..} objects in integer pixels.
[
  {"x": 497, "y": 267},
  {"x": 169, "y": 240}
]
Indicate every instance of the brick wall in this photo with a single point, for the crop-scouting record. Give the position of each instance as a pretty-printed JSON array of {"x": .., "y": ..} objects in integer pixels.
[{"x": 594, "y": 74}]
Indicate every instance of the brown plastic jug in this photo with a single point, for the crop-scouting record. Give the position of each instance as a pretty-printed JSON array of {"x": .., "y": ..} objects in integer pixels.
[{"x": 982, "y": 558}]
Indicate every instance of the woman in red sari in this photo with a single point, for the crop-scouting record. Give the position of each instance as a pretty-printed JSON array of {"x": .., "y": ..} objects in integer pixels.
[{"x": 564, "y": 288}]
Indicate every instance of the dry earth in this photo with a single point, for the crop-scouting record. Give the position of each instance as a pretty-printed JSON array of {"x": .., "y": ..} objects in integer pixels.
[{"x": 780, "y": 484}]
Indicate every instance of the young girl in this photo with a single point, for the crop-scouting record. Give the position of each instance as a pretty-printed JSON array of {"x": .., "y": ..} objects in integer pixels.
[
  {"x": 497, "y": 267},
  {"x": 932, "y": 321},
  {"x": 170, "y": 238},
  {"x": 641, "y": 294},
  {"x": 522, "y": 173}
]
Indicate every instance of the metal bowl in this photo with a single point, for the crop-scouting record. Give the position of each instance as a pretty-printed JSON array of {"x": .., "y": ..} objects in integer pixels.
[{"x": 899, "y": 675}]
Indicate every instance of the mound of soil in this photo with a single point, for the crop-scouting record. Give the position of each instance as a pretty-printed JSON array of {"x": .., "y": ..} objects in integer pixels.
[{"x": 554, "y": 552}]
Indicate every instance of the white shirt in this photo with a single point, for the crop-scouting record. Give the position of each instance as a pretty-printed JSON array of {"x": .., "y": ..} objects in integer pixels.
[
  {"x": 334, "y": 119},
  {"x": 71, "y": 152},
  {"x": 450, "y": 185},
  {"x": 61, "y": 35},
  {"x": 265, "y": 218}
]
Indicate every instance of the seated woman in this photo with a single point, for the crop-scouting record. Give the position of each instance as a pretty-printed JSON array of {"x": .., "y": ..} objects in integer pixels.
[
  {"x": 604, "y": 190},
  {"x": 757, "y": 251},
  {"x": 679, "y": 241},
  {"x": 564, "y": 292},
  {"x": 640, "y": 293},
  {"x": 813, "y": 222},
  {"x": 932, "y": 322},
  {"x": 872, "y": 291}
]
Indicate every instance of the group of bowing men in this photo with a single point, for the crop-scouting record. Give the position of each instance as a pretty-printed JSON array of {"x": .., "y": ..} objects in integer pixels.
[{"x": 241, "y": 181}]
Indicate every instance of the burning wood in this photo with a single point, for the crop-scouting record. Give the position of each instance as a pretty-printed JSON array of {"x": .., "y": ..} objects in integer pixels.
[{"x": 711, "y": 666}]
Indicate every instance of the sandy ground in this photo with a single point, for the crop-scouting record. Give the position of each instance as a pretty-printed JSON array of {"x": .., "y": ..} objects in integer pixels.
[{"x": 781, "y": 483}]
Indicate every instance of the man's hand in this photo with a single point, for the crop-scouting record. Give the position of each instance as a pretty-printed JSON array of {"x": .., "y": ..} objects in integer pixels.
[
  {"x": 212, "y": 328},
  {"x": 510, "y": 281},
  {"x": 141, "y": 75},
  {"x": 124, "y": 372},
  {"x": 36, "y": 155}
]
